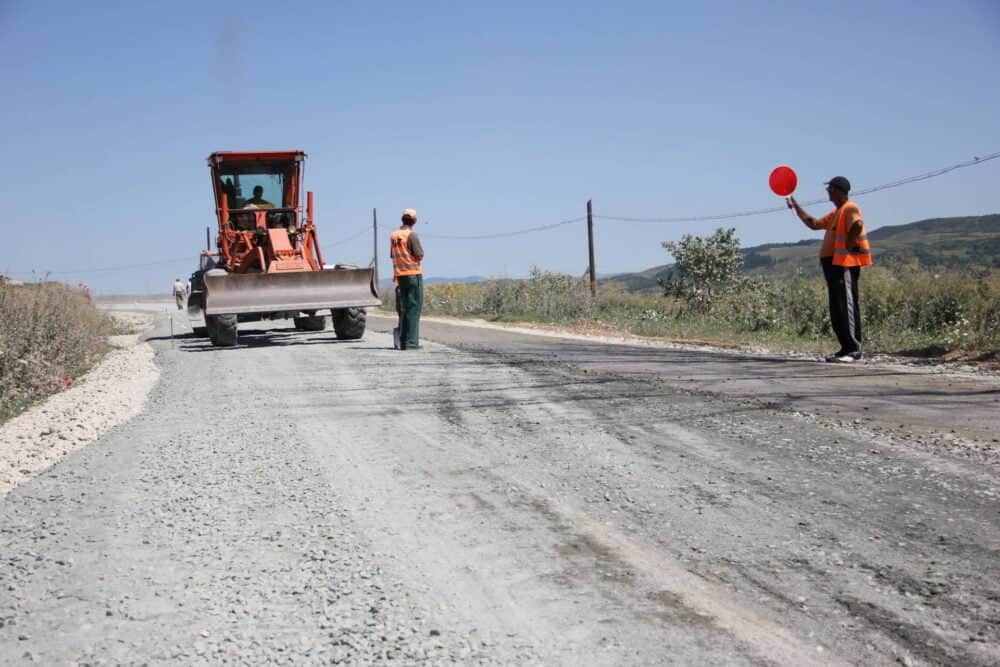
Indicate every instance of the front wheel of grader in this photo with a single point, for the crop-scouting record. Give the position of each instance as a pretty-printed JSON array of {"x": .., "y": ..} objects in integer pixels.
[
  {"x": 221, "y": 329},
  {"x": 310, "y": 323},
  {"x": 349, "y": 323}
]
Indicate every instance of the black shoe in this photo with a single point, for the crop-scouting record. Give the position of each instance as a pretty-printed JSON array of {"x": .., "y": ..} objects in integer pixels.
[{"x": 835, "y": 356}]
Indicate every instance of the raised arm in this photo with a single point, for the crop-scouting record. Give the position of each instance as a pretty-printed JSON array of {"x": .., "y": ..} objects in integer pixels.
[{"x": 806, "y": 219}]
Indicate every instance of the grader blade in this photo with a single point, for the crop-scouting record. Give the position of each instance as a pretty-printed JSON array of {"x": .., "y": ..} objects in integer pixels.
[{"x": 293, "y": 291}]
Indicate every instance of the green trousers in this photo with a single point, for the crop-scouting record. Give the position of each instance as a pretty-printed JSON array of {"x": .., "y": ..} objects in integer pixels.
[{"x": 409, "y": 303}]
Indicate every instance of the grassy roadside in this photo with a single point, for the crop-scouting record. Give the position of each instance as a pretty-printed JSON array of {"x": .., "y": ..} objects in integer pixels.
[
  {"x": 912, "y": 313},
  {"x": 50, "y": 334}
]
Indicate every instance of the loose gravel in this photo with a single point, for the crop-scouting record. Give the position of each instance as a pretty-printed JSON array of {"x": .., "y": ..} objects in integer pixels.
[
  {"x": 109, "y": 395},
  {"x": 202, "y": 532},
  {"x": 299, "y": 500}
]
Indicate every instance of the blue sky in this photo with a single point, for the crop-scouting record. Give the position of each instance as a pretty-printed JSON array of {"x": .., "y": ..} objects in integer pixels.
[{"x": 486, "y": 118}]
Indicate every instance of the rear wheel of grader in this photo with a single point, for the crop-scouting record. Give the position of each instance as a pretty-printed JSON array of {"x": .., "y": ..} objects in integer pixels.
[
  {"x": 349, "y": 323},
  {"x": 221, "y": 329},
  {"x": 310, "y": 323}
]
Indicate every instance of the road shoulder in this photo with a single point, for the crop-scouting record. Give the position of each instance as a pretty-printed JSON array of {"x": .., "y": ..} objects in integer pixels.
[{"x": 110, "y": 394}]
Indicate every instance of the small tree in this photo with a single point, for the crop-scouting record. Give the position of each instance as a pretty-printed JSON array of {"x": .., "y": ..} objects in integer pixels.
[{"x": 703, "y": 267}]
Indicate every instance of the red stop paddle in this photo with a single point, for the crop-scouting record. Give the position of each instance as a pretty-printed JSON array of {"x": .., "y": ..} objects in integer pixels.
[{"x": 783, "y": 181}]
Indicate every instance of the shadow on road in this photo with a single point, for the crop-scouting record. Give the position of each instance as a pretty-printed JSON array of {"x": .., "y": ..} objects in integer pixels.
[{"x": 253, "y": 338}]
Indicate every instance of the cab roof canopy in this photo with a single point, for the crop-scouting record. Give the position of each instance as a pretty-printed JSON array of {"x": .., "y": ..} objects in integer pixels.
[{"x": 219, "y": 157}]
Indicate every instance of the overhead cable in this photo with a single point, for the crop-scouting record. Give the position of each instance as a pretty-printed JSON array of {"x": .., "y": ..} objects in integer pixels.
[
  {"x": 616, "y": 218},
  {"x": 352, "y": 237},
  {"x": 775, "y": 209},
  {"x": 500, "y": 235},
  {"x": 107, "y": 269}
]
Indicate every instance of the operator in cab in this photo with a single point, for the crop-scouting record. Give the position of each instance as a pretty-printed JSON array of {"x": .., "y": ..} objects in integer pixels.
[{"x": 257, "y": 201}]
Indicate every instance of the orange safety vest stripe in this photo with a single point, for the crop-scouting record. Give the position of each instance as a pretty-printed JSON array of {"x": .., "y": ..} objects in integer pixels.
[
  {"x": 403, "y": 262},
  {"x": 842, "y": 255}
]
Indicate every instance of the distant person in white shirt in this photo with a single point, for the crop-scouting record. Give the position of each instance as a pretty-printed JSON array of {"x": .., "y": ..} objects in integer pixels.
[{"x": 180, "y": 293}]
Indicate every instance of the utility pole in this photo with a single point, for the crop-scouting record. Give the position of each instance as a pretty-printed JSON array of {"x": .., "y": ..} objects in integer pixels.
[
  {"x": 590, "y": 241},
  {"x": 375, "y": 243}
]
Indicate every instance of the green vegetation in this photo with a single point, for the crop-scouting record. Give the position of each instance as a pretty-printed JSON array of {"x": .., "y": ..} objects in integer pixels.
[
  {"x": 941, "y": 244},
  {"x": 50, "y": 333},
  {"x": 906, "y": 308},
  {"x": 704, "y": 266}
]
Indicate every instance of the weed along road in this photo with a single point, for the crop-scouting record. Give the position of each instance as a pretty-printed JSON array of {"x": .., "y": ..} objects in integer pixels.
[{"x": 503, "y": 498}]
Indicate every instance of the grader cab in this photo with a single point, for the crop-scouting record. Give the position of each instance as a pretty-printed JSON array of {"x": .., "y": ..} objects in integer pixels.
[{"x": 268, "y": 263}]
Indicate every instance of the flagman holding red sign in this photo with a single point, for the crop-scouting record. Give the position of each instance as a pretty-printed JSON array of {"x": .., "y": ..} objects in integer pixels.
[{"x": 843, "y": 252}]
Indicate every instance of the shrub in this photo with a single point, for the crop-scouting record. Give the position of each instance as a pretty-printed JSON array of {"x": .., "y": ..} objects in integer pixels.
[
  {"x": 545, "y": 296},
  {"x": 901, "y": 308},
  {"x": 50, "y": 333},
  {"x": 703, "y": 267}
]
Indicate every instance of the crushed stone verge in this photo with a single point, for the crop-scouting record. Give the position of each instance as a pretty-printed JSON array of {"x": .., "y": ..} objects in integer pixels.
[{"x": 110, "y": 394}]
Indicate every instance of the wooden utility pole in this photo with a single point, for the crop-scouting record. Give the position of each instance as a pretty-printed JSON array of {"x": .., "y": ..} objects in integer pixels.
[
  {"x": 590, "y": 241},
  {"x": 375, "y": 243}
]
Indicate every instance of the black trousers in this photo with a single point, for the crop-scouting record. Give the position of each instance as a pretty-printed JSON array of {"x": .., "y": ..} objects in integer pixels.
[{"x": 845, "y": 308}]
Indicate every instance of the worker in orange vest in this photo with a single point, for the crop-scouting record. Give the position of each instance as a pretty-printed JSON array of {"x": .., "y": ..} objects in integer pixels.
[
  {"x": 843, "y": 252},
  {"x": 407, "y": 253}
]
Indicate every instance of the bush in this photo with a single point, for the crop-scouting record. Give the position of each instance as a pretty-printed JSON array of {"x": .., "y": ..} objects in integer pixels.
[
  {"x": 901, "y": 309},
  {"x": 546, "y": 296},
  {"x": 704, "y": 266},
  {"x": 49, "y": 334},
  {"x": 944, "y": 309}
]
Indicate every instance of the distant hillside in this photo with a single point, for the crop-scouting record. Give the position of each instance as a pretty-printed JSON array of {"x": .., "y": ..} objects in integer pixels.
[{"x": 947, "y": 243}]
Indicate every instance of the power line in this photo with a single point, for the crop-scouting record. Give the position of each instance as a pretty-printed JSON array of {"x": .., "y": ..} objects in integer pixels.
[
  {"x": 761, "y": 211},
  {"x": 530, "y": 230},
  {"x": 931, "y": 174},
  {"x": 108, "y": 269},
  {"x": 352, "y": 237},
  {"x": 500, "y": 235}
]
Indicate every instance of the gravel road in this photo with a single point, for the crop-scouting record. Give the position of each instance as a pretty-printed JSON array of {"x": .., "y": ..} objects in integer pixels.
[{"x": 499, "y": 498}]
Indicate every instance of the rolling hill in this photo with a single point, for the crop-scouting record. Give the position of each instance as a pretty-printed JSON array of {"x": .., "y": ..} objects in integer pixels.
[{"x": 959, "y": 243}]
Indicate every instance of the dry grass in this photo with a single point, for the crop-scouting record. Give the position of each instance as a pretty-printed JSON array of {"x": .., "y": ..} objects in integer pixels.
[
  {"x": 50, "y": 333},
  {"x": 904, "y": 312}
]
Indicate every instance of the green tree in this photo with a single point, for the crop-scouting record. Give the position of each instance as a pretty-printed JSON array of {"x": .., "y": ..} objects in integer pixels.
[{"x": 703, "y": 266}]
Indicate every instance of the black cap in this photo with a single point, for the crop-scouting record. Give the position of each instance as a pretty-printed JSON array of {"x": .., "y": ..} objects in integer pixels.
[{"x": 840, "y": 183}]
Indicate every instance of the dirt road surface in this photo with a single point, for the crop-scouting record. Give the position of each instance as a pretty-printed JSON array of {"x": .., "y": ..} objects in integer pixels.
[{"x": 500, "y": 498}]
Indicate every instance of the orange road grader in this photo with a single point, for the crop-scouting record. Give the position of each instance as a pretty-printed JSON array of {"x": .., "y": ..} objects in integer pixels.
[{"x": 268, "y": 264}]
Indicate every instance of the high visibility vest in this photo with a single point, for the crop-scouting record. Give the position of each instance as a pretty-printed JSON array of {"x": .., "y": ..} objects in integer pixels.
[
  {"x": 860, "y": 255},
  {"x": 403, "y": 263}
]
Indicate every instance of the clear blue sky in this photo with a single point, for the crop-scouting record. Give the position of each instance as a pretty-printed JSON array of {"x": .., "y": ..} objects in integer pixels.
[{"x": 485, "y": 118}]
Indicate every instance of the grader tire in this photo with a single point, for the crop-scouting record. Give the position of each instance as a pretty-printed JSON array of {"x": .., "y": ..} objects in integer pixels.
[
  {"x": 200, "y": 332},
  {"x": 310, "y": 323},
  {"x": 222, "y": 329},
  {"x": 349, "y": 323}
]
